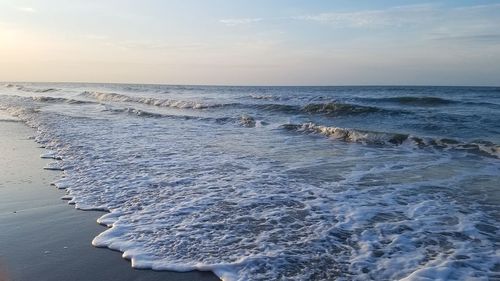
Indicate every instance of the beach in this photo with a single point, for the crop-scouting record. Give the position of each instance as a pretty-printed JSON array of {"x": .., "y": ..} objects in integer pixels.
[
  {"x": 249, "y": 140},
  {"x": 250, "y": 183},
  {"x": 44, "y": 238}
]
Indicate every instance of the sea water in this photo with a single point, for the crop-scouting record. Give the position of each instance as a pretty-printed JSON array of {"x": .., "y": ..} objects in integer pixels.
[{"x": 280, "y": 183}]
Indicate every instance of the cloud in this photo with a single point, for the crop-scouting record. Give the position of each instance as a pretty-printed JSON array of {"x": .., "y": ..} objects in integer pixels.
[
  {"x": 488, "y": 38},
  {"x": 26, "y": 9},
  {"x": 395, "y": 16},
  {"x": 242, "y": 21},
  {"x": 478, "y": 23},
  {"x": 156, "y": 45}
]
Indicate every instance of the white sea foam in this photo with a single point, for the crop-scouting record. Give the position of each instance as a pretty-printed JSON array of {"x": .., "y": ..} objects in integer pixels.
[
  {"x": 62, "y": 183},
  {"x": 6, "y": 117},
  {"x": 50, "y": 155},
  {"x": 54, "y": 166}
]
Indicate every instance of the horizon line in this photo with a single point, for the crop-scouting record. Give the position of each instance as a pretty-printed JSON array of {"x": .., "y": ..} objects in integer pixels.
[{"x": 254, "y": 85}]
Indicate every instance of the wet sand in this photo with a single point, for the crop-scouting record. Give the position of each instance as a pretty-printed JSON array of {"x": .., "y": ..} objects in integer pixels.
[{"x": 41, "y": 237}]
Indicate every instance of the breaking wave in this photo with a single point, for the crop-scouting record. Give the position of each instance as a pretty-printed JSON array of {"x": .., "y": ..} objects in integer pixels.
[
  {"x": 58, "y": 100},
  {"x": 480, "y": 147},
  {"x": 31, "y": 89},
  {"x": 331, "y": 109},
  {"x": 328, "y": 109},
  {"x": 244, "y": 120},
  {"x": 335, "y": 108},
  {"x": 264, "y": 97},
  {"x": 114, "y": 97},
  {"x": 247, "y": 121}
]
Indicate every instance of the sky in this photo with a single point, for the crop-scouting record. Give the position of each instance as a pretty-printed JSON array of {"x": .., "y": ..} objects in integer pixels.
[{"x": 253, "y": 42}]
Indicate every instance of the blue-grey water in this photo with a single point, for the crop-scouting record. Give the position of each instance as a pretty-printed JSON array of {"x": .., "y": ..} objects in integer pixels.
[{"x": 280, "y": 183}]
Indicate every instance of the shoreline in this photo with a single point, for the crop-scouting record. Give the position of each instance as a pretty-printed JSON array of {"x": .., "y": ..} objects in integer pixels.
[{"x": 43, "y": 239}]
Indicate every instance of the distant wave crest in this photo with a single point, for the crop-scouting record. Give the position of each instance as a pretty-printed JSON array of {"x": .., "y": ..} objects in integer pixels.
[
  {"x": 46, "y": 99},
  {"x": 329, "y": 109},
  {"x": 30, "y": 89},
  {"x": 335, "y": 108},
  {"x": 114, "y": 97},
  {"x": 417, "y": 101}
]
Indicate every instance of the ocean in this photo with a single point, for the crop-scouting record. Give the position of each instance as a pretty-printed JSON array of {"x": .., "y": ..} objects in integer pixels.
[{"x": 279, "y": 183}]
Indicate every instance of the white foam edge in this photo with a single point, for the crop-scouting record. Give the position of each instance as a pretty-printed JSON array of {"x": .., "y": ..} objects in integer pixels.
[
  {"x": 61, "y": 183},
  {"x": 50, "y": 154},
  {"x": 440, "y": 272},
  {"x": 85, "y": 207},
  {"x": 67, "y": 197},
  {"x": 140, "y": 260},
  {"x": 54, "y": 166},
  {"x": 109, "y": 219},
  {"x": 5, "y": 116}
]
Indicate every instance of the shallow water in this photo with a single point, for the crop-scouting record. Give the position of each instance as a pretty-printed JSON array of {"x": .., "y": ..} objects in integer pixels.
[{"x": 281, "y": 183}]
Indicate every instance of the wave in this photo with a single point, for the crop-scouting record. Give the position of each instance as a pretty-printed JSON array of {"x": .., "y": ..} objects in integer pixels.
[
  {"x": 46, "y": 99},
  {"x": 114, "y": 97},
  {"x": 417, "y": 101},
  {"x": 335, "y": 108},
  {"x": 143, "y": 113},
  {"x": 263, "y": 97},
  {"x": 247, "y": 121},
  {"x": 244, "y": 120},
  {"x": 488, "y": 104},
  {"x": 30, "y": 89},
  {"x": 479, "y": 147},
  {"x": 263, "y": 219},
  {"x": 349, "y": 135},
  {"x": 147, "y": 114},
  {"x": 329, "y": 109},
  {"x": 275, "y": 107}
]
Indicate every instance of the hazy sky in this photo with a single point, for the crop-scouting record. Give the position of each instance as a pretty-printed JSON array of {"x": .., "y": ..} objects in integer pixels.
[{"x": 253, "y": 42}]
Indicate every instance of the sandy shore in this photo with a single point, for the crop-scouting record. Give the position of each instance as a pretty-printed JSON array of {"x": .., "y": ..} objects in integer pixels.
[{"x": 41, "y": 237}]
